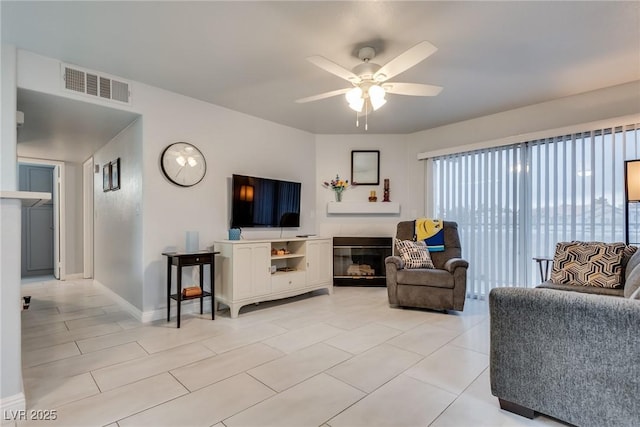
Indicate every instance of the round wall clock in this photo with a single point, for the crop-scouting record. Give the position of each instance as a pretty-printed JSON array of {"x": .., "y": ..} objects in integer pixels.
[{"x": 183, "y": 164}]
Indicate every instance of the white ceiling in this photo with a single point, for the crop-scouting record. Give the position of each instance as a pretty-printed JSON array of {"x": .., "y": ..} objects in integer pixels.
[
  {"x": 250, "y": 56},
  {"x": 66, "y": 129}
]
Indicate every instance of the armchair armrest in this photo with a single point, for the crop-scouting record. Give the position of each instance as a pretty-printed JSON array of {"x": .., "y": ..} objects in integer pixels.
[
  {"x": 392, "y": 265},
  {"x": 454, "y": 263},
  {"x": 395, "y": 260}
]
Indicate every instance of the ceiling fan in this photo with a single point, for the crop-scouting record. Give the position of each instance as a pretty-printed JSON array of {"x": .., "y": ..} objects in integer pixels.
[{"x": 370, "y": 81}]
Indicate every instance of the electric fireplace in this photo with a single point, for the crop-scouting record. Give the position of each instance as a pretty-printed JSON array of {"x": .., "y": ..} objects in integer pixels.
[{"x": 359, "y": 261}]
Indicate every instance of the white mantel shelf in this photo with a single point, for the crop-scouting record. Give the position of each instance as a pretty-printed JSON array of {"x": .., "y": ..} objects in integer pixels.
[
  {"x": 29, "y": 199},
  {"x": 363, "y": 208}
]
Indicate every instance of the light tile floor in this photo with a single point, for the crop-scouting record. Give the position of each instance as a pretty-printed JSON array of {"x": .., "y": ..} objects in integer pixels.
[{"x": 345, "y": 359}]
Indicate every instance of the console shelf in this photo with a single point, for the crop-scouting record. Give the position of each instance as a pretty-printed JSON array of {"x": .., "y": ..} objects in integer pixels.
[{"x": 274, "y": 257}]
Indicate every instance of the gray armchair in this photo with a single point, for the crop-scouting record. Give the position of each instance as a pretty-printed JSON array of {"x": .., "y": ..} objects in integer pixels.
[{"x": 442, "y": 288}]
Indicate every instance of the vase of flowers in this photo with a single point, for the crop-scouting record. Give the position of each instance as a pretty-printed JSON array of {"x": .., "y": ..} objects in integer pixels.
[{"x": 338, "y": 186}]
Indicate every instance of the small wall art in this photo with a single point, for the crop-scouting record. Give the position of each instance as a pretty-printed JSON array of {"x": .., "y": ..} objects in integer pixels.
[
  {"x": 111, "y": 175},
  {"x": 115, "y": 174},
  {"x": 106, "y": 177}
]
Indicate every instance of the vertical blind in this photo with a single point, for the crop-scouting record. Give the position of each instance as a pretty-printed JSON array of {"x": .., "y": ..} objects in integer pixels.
[{"x": 516, "y": 202}]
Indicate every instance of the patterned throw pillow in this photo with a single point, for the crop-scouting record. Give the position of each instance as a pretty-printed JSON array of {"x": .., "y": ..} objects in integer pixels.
[
  {"x": 588, "y": 264},
  {"x": 628, "y": 252},
  {"x": 414, "y": 254}
]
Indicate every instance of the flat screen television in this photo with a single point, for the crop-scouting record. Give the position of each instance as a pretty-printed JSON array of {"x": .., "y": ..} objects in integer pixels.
[{"x": 264, "y": 202}]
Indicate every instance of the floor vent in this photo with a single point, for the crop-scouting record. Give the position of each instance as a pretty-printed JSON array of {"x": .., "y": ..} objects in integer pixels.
[{"x": 93, "y": 84}]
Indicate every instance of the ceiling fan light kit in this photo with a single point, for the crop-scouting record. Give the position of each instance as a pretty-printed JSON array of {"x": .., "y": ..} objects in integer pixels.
[
  {"x": 376, "y": 96},
  {"x": 359, "y": 95},
  {"x": 355, "y": 99},
  {"x": 368, "y": 91}
]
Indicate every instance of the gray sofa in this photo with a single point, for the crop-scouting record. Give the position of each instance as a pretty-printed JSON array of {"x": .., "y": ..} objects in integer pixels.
[
  {"x": 574, "y": 356},
  {"x": 442, "y": 288}
]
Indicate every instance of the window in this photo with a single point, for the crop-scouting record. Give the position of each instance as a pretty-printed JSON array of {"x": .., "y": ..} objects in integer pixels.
[{"x": 516, "y": 202}]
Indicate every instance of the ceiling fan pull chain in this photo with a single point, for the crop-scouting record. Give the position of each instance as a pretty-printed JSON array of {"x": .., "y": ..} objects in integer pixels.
[
  {"x": 366, "y": 117},
  {"x": 357, "y": 121}
]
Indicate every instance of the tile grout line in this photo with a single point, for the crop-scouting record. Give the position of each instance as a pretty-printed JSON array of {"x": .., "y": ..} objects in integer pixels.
[
  {"x": 334, "y": 309},
  {"x": 457, "y": 397},
  {"x": 95, "y": 382},
  {"x": 152, "y": 406},
  {"x": 156, "y": 405}
]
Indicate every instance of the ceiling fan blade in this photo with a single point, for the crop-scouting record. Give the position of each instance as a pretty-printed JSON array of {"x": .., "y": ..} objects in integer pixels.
[
  {"x": 405, "y": 60},
  {"x": 333, "y": 68},
  {"x": 413, "y": 89},
  {"x": 323, "y": 95}
]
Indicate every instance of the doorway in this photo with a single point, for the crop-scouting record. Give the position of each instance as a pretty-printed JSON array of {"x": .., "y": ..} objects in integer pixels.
[
  {"x": 43, "y": 240},
  {"x": 37, "y": 222}
]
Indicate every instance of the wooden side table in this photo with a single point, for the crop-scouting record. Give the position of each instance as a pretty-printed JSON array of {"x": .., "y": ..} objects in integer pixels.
[
  {"x": 188, "y": 259},
  {"x": 543, "y": 265}
]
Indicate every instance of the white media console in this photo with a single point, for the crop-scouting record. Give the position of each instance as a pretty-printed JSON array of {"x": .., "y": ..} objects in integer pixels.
[{"x": 253, "y": 271}]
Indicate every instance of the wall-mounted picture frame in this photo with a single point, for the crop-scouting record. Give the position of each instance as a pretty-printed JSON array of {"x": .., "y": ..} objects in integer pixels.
[
  {"x": 115, "y": 174},
  {"x": 106, "y": 177},
  {"x": 365, "y": 167}
]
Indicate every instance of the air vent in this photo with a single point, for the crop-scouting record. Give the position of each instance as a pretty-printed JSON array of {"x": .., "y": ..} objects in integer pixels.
[
  {"x": 74, "y": 80},
  {"x": 105, "y": 88},
  {"x": 94, "y": 84},
  {"x": 119, "y": 91}
]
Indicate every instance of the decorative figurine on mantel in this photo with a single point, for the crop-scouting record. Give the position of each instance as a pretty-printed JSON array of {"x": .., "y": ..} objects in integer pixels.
[
  {"x": 386, "y": 190},
  {"x": 372, "y": 196}
]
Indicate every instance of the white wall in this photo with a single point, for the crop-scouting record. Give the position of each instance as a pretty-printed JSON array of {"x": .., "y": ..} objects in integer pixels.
[
  {"x": 10, "y": 319},
  {"x": 231, "y": 143},
  {"x": 73, "y": 218},
  {"x": 333, "y": 156},
  {"x": 11, "y": 394},
  {"x": 8, "y": 103},
  {"x": 117, "y": 233}
]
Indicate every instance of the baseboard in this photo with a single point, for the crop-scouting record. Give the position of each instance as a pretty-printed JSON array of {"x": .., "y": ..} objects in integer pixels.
[
  {"x": 126, "y": 305},
  {"x": 151, "y": 315},
  {"x": 74, "y": 276},
  {"x": 12, "y": 407},
  {"x": 161, "y": 313}
]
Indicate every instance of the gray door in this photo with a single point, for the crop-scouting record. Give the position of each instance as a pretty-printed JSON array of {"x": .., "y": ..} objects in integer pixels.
[{"x": 37, "y": 222}]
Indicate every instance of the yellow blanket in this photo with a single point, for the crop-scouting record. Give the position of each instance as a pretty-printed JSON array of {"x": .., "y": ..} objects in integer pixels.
[{"x": 431, "y": 231}]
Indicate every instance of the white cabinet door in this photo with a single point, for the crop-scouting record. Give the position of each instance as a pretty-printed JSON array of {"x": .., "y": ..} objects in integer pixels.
[
  {"x": 319, "y": 262},
  {"x": 251, "y": 268},
  {"x": 242, "y": 274},
  {"x": 261, "y": 269}
]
